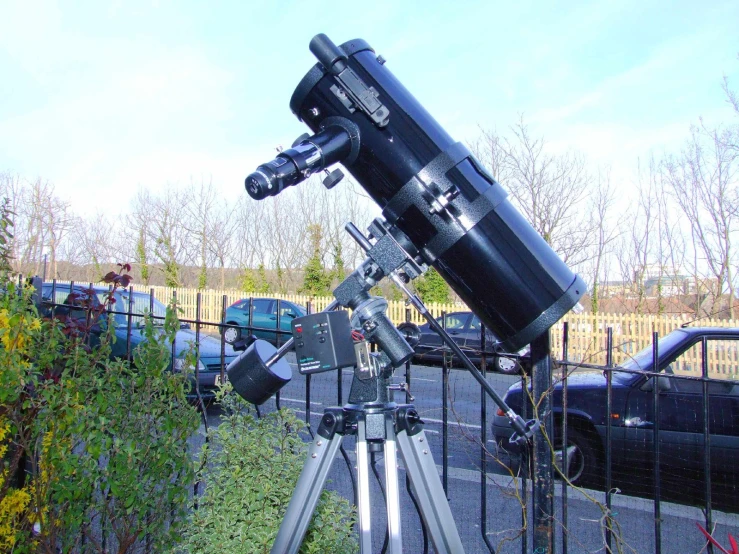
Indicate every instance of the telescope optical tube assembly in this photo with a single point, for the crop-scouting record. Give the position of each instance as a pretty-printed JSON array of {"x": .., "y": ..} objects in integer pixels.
[{"x": 430, "y": 188}]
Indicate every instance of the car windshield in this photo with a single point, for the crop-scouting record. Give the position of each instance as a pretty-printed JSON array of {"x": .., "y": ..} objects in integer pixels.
[
  {"x": 642, "y": 360},
  {"x": 142, "y": 304}
]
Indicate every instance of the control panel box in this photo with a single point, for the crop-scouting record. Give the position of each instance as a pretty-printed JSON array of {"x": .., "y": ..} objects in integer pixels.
[{"x": 323, "y": 342}]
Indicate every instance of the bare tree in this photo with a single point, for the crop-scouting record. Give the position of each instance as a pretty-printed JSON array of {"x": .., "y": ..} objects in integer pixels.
[
  {"x": 224, "y": 235},
  {"x": 550, "y": 190},
  {"x": 200, "y": 203},
  {"x": 704, "y": 182},
  {"x": 490, "y": 149},
  {"x": 156, "y": 233},
  {"x": 138, "y": 241},
  {"x": 93, "y": 241},
  {"x": 606, "y": 232},
  {"x": 651, "y": 249},
  {"x": 41, "y": 222}
]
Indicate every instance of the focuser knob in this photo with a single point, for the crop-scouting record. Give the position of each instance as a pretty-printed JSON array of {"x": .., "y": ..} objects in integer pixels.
[{"x": 332, "y": 178}]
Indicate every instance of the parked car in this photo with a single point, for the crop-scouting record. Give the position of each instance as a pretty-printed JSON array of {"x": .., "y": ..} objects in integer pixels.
[
  {"x": 263, "y": 323},
  {"x": 465, "y": 330},
  {"x": 209, "y": 368},
  {"x": 632, "y": 417}
]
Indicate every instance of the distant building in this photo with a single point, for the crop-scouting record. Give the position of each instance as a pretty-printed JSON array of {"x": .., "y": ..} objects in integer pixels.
[{"x": 669, "y": 285}]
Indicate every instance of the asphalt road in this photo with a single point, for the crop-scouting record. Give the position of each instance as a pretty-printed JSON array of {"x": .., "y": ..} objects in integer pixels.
[{"x": 466, "y": 457}]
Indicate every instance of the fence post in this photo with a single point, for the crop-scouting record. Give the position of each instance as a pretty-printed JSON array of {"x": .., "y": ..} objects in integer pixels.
[
  {"x": 308, "y": 311},
  {"x": 543, "y": 478},
  {"x": 483, "y": 446},
  {"x": 609, "y": 431},
  {"x": 446, "y": 361},
  {"x": 655, "y": 429},
  {"x": 565, "y": 372}
]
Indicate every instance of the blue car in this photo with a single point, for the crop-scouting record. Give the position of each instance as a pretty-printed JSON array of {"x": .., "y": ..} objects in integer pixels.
[
  {"x": 74, "y": 306},
  {"x": 263, "y": 324}
]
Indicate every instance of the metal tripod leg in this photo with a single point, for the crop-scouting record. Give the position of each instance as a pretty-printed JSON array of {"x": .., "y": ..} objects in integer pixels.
[
  {"x": 321, "y": 455},
  {"x": 392, "y": 505},
  {"x": 363, "y": 492},
  {"x": 435, "y": 510},
  {"x": 392, "y": 490}
]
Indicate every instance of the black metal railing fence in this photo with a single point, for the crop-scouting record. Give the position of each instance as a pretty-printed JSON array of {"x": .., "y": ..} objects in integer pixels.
[{"x": 618, "y": 507}]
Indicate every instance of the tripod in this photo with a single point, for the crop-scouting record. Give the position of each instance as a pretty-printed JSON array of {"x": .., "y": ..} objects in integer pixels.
[{"x": 391, "y": 427}]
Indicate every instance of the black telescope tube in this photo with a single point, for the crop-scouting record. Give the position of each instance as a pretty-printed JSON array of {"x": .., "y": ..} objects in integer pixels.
[{"x": 435, "y": 192}]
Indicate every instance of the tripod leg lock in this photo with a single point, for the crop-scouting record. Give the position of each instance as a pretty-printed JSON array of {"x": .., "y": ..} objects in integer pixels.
[
  {"x": 523, "y": 430},
  {"x": 408, "y": 420},
  {"x": 332, "y": 422}
]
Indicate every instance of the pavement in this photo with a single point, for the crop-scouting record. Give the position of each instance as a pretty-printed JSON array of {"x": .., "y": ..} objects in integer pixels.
[{"x": 503, "y": 523}]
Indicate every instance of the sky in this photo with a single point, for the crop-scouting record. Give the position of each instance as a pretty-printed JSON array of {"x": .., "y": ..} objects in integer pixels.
[{"x": 106, "y": 98}]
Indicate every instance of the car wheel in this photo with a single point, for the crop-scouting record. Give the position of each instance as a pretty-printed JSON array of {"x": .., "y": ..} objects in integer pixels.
[
  {"x": 231, "y": 334},
  {"x": 581, "y": 458},
  {"x": 509, "y": 366}
]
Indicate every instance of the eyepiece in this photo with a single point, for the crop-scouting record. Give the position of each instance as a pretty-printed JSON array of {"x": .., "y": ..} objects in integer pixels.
[
  {"x": 338, "y": 142},
  {"x": 257, "y": 185},
  {"x": 269, "y": 179}
]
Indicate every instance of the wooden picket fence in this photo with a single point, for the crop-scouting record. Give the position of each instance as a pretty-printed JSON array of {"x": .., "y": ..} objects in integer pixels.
[{"x": 587, "y": 332}]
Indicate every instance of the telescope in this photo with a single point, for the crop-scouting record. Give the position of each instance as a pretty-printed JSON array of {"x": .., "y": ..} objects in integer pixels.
[
  {"x": 441, "y": 209},
  {"x": 431, "y": 189}
]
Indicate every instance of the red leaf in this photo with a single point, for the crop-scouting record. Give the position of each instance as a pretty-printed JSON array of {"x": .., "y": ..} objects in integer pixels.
[
  {"x": 734, "y": 547},
  {"x": 713, "y": 541},
  {"x": 110, "y": 277},
  {"x": 125, "y": 280}
]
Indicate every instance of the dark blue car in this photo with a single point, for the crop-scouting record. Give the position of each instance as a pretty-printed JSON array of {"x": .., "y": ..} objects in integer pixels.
[
  {"x": 209, "y": 366},
  {"x": 682, "y": 448},
  {"x": 465, "y": 328}
]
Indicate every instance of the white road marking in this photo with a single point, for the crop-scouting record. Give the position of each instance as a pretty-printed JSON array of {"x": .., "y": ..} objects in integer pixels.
[
  {"x": 440, "y": 422},
  {"x": 298, "y": 401}
]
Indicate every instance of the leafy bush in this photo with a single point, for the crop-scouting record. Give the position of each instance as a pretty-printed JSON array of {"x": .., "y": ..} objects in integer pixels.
[
  {"x": 90, "y": 447},
  {"x": 253, "y": 467}
]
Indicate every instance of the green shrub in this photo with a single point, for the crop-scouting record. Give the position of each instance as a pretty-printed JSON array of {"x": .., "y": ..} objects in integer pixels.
[
  {"x": 89, "y": 445},
  {"x": 252, "y": 468},
  {"x": 432, "y": 287}
]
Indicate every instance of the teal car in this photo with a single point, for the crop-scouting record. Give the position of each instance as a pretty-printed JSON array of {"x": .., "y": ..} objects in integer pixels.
[
  {"x": 263, "y": 322},
  {"x": 59, "y": 300}
]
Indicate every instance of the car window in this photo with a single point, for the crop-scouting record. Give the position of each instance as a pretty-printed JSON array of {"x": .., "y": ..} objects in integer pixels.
[
  {"x": 75, "y": 304},
  {"x": 455, "y": 322},
  {"x": 722, "y": 355},
  {"x": 61, "y": 295},
  {"x": 261, "y": 305},
  {"x": 46, "y": 293},
  {"x": 642, "y": 360},
  {"x": 142, "y": 304},
  {"x": 288, "y": 309}
]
